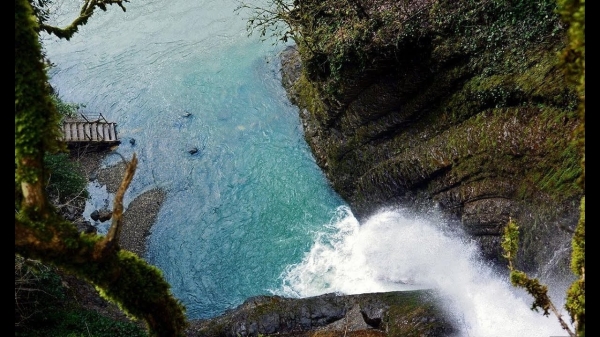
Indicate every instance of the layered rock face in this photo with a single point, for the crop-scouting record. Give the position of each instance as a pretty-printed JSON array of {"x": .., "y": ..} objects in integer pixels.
[{"x": 462, "y": 106}]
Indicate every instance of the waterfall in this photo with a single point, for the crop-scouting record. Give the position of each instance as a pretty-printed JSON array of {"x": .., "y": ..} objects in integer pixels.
[{"x": 397, "y": 250}]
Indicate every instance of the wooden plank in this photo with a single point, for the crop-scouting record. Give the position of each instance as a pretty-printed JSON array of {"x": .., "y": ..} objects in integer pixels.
[
  {"x": 94, "y": 132},
  {"x": 80, "y": 134},
  {"x": 86, "y": 130},
  {"x": 106, "y": 132},
  {"x": 103, "y": 131},
  {"x": 99, "y": 132},
  {"x": 111, "y": 131},
  {"x": 73, "y": 130},
  {"x": 66, "y": 132}
]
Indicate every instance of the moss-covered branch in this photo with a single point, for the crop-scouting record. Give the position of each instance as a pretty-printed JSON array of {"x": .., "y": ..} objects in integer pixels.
[
  {"x": 120, "y": 276},
  {"x": 575, "y": 304},
  {"x": 539, "y": 292},
  {"x": 573, "y": 58},
  {"x": 86, "y": 12}
]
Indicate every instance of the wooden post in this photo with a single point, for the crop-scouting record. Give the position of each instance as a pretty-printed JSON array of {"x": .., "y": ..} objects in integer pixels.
[{"x": 100, "y": 132}]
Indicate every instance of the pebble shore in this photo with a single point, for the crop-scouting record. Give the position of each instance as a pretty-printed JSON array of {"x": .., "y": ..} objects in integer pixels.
[{"x": 140, "y": 214}]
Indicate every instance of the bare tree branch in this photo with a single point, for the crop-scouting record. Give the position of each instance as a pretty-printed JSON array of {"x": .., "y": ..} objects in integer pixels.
[{"x": 112, "y": 237}]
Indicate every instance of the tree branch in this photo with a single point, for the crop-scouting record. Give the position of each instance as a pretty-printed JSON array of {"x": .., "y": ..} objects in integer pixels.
[
  {"x": 87, "y": 10},
  {"x": 112, "y": 238}
]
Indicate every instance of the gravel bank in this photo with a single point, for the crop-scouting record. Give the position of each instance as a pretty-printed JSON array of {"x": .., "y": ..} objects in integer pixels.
[{"x": 140, "y": 214}]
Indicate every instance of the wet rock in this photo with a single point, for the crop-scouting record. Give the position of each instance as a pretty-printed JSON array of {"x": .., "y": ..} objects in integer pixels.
[
  {"x": 104, "y": 215},
  {"x": 85, "y": 227},
  {"x": 338, "y": 314},
  {"x": 101, "y": 215}
]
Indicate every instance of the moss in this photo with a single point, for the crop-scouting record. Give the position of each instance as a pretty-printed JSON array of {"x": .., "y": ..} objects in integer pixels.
[
  {"x": 33, "y": 105},
  {"x": 508, "y": 60},
  {"x": 412, "y": 314},
  {"x": 309, "y": 98},
  {"x": 575, "y": 304},
  {"x": 43, "y": 307}
]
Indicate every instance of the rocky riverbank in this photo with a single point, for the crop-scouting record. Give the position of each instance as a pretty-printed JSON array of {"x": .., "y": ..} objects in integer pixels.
[{"x": 138, "y": 218}]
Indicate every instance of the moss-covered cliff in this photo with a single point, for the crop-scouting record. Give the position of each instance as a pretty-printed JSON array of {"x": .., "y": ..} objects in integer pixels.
[{"x": 457, "y": 104}]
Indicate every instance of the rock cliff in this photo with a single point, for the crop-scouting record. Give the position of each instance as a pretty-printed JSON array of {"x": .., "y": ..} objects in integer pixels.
[{"x": 460, "y": 105}]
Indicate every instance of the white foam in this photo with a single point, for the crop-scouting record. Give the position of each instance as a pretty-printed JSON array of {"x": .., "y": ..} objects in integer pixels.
[{"x": 395, "y": 250}]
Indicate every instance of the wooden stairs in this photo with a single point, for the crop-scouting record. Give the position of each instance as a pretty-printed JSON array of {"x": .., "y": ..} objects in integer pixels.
[{"x": 90, "y": 130}]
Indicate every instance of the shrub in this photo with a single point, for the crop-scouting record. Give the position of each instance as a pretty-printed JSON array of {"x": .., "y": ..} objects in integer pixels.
[{"x": 65, "y": 178}]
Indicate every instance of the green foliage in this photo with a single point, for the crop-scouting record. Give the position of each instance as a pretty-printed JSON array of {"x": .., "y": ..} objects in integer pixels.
[
  {"x": 43, "y": 308},
  {"x": 573, "y": 60},
  {"x": 575, "y": 304},
  {"x": 73, "y": 322},
  {"x": 65, "y": 180},
  {"x": 510, "y": 241},
  {"x": 65, "y": 109},
  {"x": 337, "y": 36}
]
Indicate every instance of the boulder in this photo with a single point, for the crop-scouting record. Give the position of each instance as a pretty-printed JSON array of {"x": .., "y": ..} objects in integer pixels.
[{"x": 400, "y": 313}]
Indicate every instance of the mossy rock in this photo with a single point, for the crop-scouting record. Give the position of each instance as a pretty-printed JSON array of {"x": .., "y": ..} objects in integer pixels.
[
  {"x": 462, "y": 105},
  {"x": 401, "y": 313}
]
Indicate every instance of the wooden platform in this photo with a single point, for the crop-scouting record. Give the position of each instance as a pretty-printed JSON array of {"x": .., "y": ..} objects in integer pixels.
[{"x": 90, "y": 130}]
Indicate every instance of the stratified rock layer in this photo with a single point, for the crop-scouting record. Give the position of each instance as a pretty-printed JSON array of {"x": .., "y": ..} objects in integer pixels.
[{"x": 461, "y": 105}]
